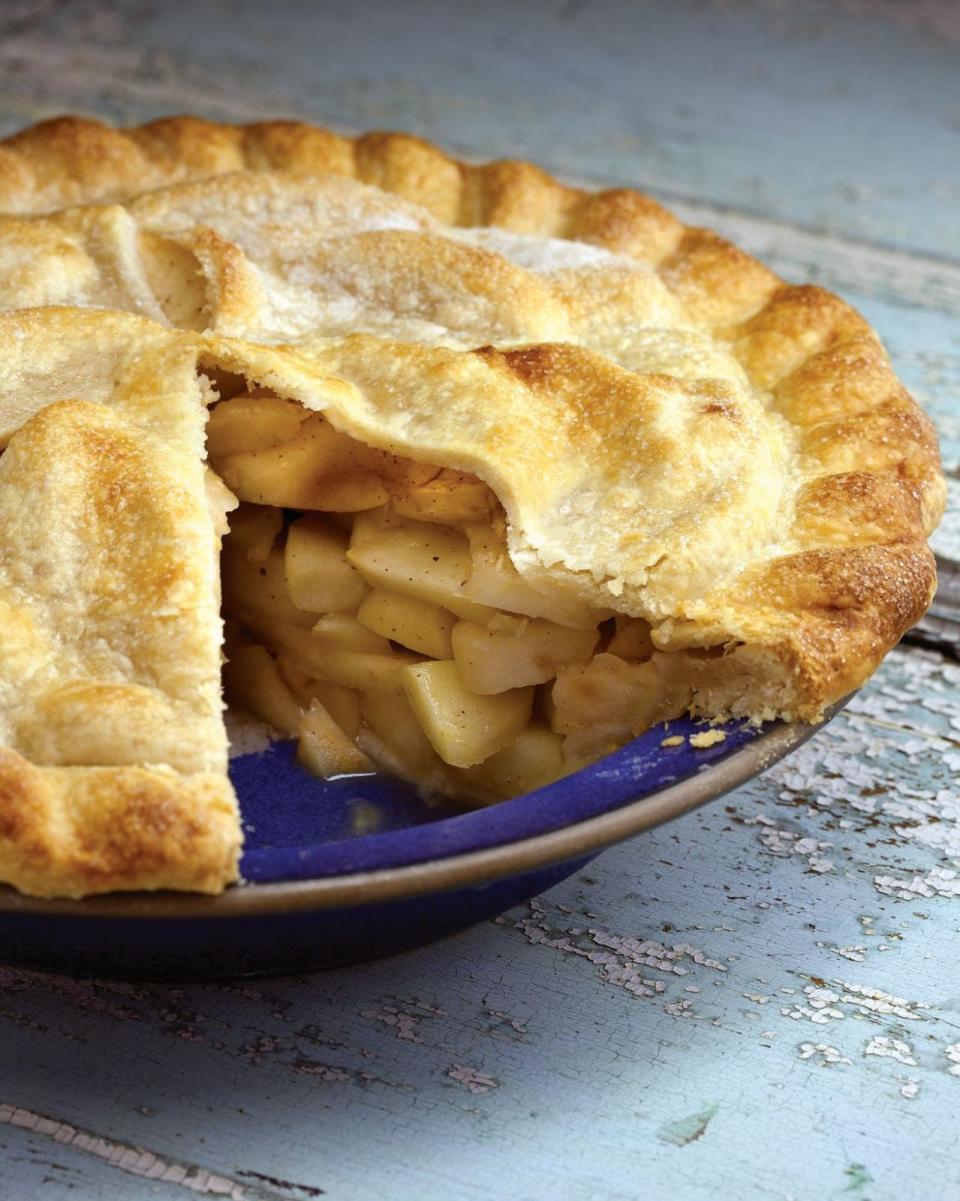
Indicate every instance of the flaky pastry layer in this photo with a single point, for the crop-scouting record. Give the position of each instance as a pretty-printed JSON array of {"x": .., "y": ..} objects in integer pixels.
[{"x": 75, "y": 831}]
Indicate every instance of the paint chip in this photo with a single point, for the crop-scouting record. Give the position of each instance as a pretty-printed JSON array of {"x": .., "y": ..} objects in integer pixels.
[
  {"x": 891, "y": 1048},
  {"x": 472, "y": 1079},
  {"x": 822, "y": 1054},
  {"x": 136, "y": 1161},
  {"x": 686, "y": 1130}
]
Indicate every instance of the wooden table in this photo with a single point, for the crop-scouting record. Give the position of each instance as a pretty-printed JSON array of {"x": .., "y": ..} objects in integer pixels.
[{"x": 757, "y": 1002}]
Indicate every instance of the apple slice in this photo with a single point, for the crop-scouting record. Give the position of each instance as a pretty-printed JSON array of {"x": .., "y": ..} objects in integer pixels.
[
  {"x": 632, "y": 639},
  {"x": 388, "y": 714},
  {"x": 254, "y": 529},
  {"x": 345, "y": 632},
  {"x": 533, "y": 759},
  {"x": 429, "y": 562},
  {"x": 318, "y": 468},
  {"x": 343, "y": 704},
  {"x": 463, "y": 728},
  {"x": 319, "y": 576},
  {"x": 493, "y": 660},
  {"x": 451, "y": 497},
  {"x": 412, "y": 622},
  {"x": 251, "y": 679},
  {"x": 252, "y": 588},
  {"x": 324, "y": 748},
  {"x": 250, "y": 423},
  {"x": 493, "y": 580}
]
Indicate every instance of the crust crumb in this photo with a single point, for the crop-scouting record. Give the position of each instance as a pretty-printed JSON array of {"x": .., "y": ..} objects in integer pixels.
[{"x": 707, "y": 738}]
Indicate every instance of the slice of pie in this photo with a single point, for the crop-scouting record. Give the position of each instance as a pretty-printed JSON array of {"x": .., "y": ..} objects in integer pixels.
[
  {"x": 511, "y": 473},
  {"x": 113, "y": 767}
]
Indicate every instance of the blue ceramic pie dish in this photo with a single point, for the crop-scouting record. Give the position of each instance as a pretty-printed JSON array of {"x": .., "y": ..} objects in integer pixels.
[{"x": 343, "y": 870}]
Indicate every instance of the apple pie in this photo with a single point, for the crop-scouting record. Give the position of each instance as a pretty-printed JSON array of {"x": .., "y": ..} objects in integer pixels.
[{"x": 459, "y": 473}]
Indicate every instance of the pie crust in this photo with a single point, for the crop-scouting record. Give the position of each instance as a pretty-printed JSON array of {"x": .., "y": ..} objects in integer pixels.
[{"x": 672, "y": 432}]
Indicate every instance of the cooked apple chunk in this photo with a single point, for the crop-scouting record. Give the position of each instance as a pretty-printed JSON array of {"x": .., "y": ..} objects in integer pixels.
[
  {"x": 464, "y": 728},
  {"x": 493, "y": 659},
  {"x": 255, "y": 529},
  {"x": 287, "y": 476},
  {"x": 607, "y": 692},
  {"x": 608, "y": 701},
  {"x": 631, "y": 639},
  {"x": 325, "y": 749},
  {"x": 251, "y": 679},
  {"x": 429, "y": 562},
  {"x": 252, "y": 422},
  {"x": 362, "y": 670},
  {"x": 319, "y": 576},
  {"x": 451, "y": 497},
  {"x": 343, "y": 704},
  {"x": 371, "y": 523},
  {"x": 389, "y": 715},
  {"x": 413, "y": 623},
  {"x": 345, "y": 632},
  {"x": 494, "y": 581},
  {"x": 259, "y": 589},
  {"x": 533, "y": 759},
  {"x": 317, "y": 468},
  {"x": 404, "y": 475}
]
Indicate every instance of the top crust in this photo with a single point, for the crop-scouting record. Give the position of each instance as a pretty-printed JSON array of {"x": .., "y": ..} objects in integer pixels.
[
  {"x": 823, "y": 475},
  {"x": 819, "y": 358}
]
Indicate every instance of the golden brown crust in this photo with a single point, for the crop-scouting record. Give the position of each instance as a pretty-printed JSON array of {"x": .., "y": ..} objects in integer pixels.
[
  {"x": 74, "y": 831},
  {"x": 111, "y": 638},
  {"x": 109, "y": 614},
  {"x": 830, "y": 615},
  {"x": 821, "y": 605},
  {"x": 797, "y": 340},
  {"x": 819, "y": 357}
]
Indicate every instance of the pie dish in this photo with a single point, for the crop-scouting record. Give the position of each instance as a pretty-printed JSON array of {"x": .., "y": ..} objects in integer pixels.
[{"x": 522, "y": 471}]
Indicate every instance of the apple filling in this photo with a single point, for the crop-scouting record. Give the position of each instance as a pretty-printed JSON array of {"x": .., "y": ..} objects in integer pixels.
[{"x": 373, "y": 613}]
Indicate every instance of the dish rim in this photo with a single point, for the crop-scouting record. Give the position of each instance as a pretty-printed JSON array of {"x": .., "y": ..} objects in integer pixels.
[{"x": 472, "y": 869}]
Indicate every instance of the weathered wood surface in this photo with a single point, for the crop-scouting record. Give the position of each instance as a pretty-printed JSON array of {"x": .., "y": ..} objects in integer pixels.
[{"x": 757, "y": 1002}]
